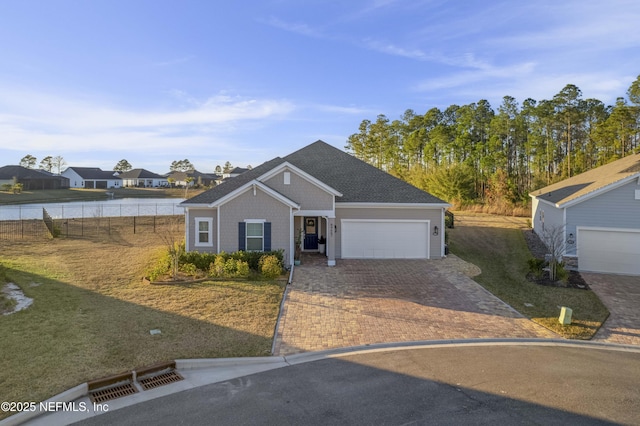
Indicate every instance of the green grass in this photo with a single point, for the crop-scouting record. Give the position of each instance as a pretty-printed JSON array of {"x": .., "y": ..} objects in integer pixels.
[
  {"x": 73, "y": 194},
  {"x": 502, "y": 253},
  {"x": 92, "y": 314}
]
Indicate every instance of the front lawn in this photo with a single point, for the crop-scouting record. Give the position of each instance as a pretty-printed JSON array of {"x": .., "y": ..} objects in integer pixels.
[
  {"x": 92, "y": 314},
  {"x": 496, "y": 244}
]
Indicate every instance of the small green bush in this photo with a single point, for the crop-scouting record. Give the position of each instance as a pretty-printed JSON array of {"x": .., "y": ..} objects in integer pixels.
[
  {"x": 230, "y": 267},
  {"x": 161, "y": 267},
  {"x": 561, "y": 273},
  {"x": 200, "y": 260},
  {"x": 189, "y": 269},
  {"x": 270, "y": 266},
  {"x": 242, "y": 269},
  {"x": 216, "y": 269},
  {"x": 536, "y": 266}
]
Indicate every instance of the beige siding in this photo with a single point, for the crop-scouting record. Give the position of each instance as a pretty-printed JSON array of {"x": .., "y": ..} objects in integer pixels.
[
  {"x": 433, "y": 215},
  {"x": 201, "y": 213},
  {"x": 303, "y": 192},
  {"x": 258, "y": 206}
]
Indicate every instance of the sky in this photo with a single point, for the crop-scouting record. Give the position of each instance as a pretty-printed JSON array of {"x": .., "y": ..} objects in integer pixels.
[{"x": 155, "y": 81}]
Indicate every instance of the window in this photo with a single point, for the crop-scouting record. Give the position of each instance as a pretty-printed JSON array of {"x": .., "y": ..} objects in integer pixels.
[
  {"x": 287, "y": 178},
  {"x": 255, "y": 236},
  {"x": 204, "y": 232}
]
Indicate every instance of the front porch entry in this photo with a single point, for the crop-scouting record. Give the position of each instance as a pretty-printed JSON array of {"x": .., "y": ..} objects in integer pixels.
[{"x": 310, "y": 233}]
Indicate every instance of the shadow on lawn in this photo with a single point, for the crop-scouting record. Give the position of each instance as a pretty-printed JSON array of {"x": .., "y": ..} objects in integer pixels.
[{"x": 71, "y": 335}]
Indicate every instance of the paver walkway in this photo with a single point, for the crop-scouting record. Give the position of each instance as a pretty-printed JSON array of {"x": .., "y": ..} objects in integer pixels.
[
  {"x": 621, "y": 295},
  {"x": 361, "y": 302}
]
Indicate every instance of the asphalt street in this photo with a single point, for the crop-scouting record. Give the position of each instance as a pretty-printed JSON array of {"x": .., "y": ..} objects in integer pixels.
[{"x": 503, "y": 384}]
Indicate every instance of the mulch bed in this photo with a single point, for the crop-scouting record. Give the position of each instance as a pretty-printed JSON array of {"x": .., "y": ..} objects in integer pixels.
[
  {"x": 538, "y": 250},
  {"x": 575, "y": 280}
]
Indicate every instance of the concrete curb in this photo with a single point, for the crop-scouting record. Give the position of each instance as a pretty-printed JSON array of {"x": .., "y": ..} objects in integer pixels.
[
  {"x": 66, "y": 396},
  {"x": 191, "y": 364}
]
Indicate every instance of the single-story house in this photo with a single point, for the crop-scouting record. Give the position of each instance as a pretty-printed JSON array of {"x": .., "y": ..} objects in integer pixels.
[
  {"x": 598, "y": 213},
  {"x": 32, "y": 178},
  {"x": 92, "y": 177},
  {"x": 142, "y": 178},
  {"x": 317, "y": 192},
  {"x": 229, "y": 174},
  {"x": 198, "y": 178}
]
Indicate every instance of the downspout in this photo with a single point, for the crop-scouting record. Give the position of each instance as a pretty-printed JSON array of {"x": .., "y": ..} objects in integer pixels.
[{"x": 444, "y": 230}]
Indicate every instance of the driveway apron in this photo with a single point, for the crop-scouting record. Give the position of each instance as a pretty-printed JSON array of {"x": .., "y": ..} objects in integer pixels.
[
  {"x": 360, "y": 302},
  {"x": 621, "y": 295}
]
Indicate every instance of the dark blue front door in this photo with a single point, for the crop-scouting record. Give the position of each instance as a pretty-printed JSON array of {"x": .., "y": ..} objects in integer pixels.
[{"x": 311, "y": 233}]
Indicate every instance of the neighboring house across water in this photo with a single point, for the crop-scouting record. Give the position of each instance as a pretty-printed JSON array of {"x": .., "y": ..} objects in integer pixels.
[
  {"x": 317, "y": 192},
  {"x": 142, "y": 178},
  {"x": 32, "y": 178},
  {"x": 197, "y": 178},
  {"x": 92, "y": 178},
  {"x": 236, "y": 171},
  {"x": 598, "y": 214}
]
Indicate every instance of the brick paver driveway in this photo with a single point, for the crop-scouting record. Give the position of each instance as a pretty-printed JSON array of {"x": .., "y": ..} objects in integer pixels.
[
  {"x": 362, "y": 302},
  {"x": 621, "y": 295}
]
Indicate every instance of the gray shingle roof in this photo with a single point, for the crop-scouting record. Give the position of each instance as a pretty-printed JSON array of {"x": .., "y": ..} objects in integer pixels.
[
  {"x": 140, "y": 174},
  {"x": 93, "y": 173},
  {"x": 9, "y": 172},
  {"x": 230, "y": 185},
  {"x": 586, "y": 183},
  {"x": 356, "y": 180}
]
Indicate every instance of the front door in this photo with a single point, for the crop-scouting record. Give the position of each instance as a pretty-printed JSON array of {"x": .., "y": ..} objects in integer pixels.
[{"x": 311, "y": 233}]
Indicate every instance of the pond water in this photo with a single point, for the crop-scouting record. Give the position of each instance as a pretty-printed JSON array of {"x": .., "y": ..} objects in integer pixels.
[{"x": 91, "y": 209}]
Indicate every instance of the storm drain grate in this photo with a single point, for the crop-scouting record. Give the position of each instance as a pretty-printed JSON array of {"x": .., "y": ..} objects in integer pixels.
[
  {"x": 160, "y": 380},
  {"x": 112, "y": 393}
]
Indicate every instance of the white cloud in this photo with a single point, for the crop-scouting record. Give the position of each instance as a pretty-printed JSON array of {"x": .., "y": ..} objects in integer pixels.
[{"x": 35, "y": 121}]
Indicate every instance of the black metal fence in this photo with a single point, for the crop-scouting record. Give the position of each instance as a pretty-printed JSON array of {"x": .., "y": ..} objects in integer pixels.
[{"x": 88, "y": 227}]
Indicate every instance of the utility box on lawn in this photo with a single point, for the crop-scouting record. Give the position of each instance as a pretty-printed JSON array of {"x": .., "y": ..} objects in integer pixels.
[{"x": 565, "y": 315}]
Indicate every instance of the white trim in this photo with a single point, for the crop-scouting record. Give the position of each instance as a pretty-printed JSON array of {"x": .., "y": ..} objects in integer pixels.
[
  {"x": 638, "y": 193},
  {"x": 252, "y": 185},
  {"x": 326, "y": 213},
  {"x": 292, "y": 242},
  {"x": 442, "y": 231},
  {"x": 187, "y": 221},
  {"x": 301, "y": 173},
  {"x": 601, "y": 228},
  {"x": 354, "y": 205},
  {"x": 589, "y": 195},
  {"x": 246, "y": 234},
  {"x": 209, "y": 221},
  {"x": 218, "y": 231}
]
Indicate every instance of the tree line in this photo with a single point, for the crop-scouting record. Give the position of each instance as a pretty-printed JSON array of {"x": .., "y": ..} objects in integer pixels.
[{"x": 472, "y": 154}]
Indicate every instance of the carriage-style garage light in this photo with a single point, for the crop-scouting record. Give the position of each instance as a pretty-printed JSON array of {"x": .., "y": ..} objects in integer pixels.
[{"x": 435, "y": 230}]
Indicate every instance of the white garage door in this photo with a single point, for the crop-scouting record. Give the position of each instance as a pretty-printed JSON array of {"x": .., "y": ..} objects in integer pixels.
[
  {"x": 609, "y": 250},
  {"x": 384, "y": 239}
]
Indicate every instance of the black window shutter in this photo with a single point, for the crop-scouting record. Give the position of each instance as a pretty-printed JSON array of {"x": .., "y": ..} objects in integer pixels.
[
  {"x": 267, "y": 236},
  {"x": 242, "y": 236}
]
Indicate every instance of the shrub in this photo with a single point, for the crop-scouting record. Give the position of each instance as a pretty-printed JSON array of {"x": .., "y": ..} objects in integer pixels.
[
  {"x": 200, "y": 260},
  {"x": 160, "y": 267},
  {"x": 242, "y": 269},
  {"x": 561, "y": 273},
  {"x": 216, "y": 269},
  {"x": 189, "y": 269},
  {"x": 270, "y": 266},
  {"x": 536, "y": 267},
  {"x": 230, "y": 267}
]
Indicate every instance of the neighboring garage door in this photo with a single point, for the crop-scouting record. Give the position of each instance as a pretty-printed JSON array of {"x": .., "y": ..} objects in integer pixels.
[
  {"x": 384, "y": 239},
  {"x": 609, "y": 250}
]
